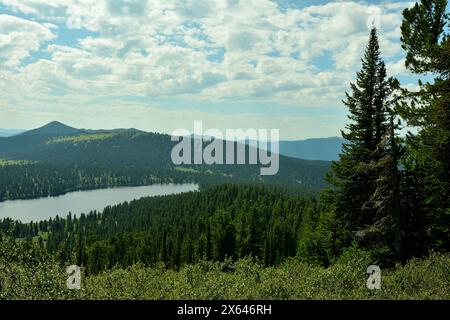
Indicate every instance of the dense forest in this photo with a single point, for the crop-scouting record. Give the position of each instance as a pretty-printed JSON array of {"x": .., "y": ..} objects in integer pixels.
[
  {"x": 386, "y": 201},
  {"x": 226, "y": 221}
]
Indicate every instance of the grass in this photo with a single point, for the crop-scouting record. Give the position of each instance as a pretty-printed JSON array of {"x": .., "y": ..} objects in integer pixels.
[
  {"x": 182, "y": 169},
  {"x": 81, "y": 138},
  {"x": 8, "y": 162}
]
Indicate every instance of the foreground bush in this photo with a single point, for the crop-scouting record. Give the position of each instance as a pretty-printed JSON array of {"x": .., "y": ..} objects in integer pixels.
[
  {"x": 26, "y": 272},
  {"x": 419, "y": 279}
]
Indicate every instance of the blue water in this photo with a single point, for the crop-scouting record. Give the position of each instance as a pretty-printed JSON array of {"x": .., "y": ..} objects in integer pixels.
[{"x": 83, "y": 201}]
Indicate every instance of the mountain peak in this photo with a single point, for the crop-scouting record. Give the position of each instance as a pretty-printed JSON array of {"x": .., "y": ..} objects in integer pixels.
[
  {"x": 54, "y": 127},
  {"x": 55, "y": 123}
]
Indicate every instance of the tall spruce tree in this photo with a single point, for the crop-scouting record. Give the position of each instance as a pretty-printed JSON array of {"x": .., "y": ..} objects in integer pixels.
[
  {"x": 426, "y": 40},
  {"x": 389, "y": 223},
  {"x": 354, "y": 176}
]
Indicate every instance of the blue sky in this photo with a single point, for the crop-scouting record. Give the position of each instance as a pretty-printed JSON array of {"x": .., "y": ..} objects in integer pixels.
[{"x": 161, "y": 65}]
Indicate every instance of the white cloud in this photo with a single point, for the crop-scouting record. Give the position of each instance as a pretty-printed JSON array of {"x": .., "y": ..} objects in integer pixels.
[
  {"x": 164, "y": 48},
  {"x": 19, "y": 37},
  {"x": 397, "y": 68},
  {"x": 51, "y": 9}
]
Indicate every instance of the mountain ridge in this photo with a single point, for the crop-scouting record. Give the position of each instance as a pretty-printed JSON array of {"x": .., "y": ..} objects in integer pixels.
[
  {"x": 10, "y": 132},
  {"x": 322, "y": 149},
  {"x": 59, "y": 128},
  {"x": 327, "y": 149}
]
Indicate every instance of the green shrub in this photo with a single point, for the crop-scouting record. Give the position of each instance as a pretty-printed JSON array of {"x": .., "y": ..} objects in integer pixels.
[{"x": 27, "y": 272}]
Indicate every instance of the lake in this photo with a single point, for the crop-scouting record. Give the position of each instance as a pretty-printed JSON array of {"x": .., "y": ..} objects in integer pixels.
[{"x": 83, "y": 201}]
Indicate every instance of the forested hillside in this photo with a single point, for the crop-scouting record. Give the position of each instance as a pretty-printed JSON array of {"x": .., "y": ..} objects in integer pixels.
[{"x": 47, "y": 162}]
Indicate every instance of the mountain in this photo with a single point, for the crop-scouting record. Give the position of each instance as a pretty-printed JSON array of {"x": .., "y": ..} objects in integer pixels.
[
  {"x": 10, "y": 132},
  {"x": 119, "y": 155},
  {"x": 51, "y": 128},
  {"x": 327, "y": 149},
  {"x": 58, "y": 128}
]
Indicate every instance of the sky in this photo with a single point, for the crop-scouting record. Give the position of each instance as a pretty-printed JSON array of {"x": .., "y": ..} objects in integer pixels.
[{"x": 160, "y": 65}]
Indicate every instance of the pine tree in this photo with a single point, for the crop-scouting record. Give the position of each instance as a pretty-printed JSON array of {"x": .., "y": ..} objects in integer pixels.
[
  {"x": 426, "y": 40},
  {"x": 388, "y": 228},
  {"x": 81, "y": 250},
  {"x": 353, "y": 176},
  {"x": 305, "y": 236},
  {"x": 224, "y": 236}
]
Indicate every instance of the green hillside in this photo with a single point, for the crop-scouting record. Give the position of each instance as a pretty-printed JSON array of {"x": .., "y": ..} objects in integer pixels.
[{"x": 57, "y": 163}]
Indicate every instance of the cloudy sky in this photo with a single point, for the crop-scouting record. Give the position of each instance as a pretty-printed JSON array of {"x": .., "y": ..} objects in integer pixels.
[{"x": 158, "y": 65}]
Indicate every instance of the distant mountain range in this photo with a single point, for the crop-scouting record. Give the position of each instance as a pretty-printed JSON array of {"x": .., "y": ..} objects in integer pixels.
[
  {"x": 9, "y": 132},
  {"x": 326, "y": 149},
  {"x": 58, "y": 128}
]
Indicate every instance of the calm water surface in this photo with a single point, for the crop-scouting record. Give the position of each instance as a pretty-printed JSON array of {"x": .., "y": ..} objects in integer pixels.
[{"x": 83, "y": 201}]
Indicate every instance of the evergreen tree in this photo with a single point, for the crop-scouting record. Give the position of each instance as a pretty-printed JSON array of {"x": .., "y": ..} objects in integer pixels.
[
  {"x": 81, "y": 250},
  {"x": 388, "y": 229},
  {"x": 224, "y": 236},
  {"x": 426, "y": 40},
  {"x": 353, "y": 176},
  {"x": 305, "y": 249}
]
